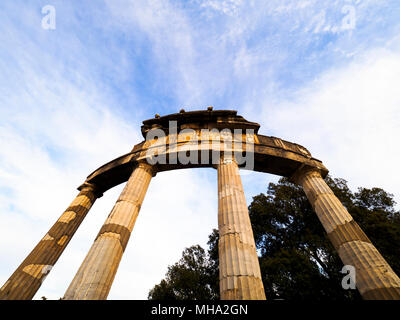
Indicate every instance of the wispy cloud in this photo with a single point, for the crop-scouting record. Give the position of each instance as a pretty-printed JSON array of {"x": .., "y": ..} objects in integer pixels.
[{"x": 348, "y": 118}]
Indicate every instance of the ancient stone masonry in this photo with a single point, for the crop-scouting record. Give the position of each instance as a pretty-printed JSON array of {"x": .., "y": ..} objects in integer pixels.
[
  {"x": 374, "y": 277},
  {"x": 26, "y": 280},
  {"x": 240, "y": 277},
  {"x": 219, "y": 139},
  {"x": 96, "y": 274}
]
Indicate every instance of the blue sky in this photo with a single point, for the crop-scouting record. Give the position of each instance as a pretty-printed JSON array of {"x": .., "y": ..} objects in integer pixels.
[{"x": 323, "y": 74}]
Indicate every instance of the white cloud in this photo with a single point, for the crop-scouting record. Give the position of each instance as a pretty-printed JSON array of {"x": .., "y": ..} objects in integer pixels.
[
  {"x": 58, "y": 125},
  {"x": 228, "y": 7},
  {"x": 349, "y": 119},
  {"x": 172, "y": 39}
]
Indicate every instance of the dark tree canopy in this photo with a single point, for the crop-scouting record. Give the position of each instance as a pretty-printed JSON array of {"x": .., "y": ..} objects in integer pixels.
[
  {"x": 296, "y": 258},
  {"x": 193, "y": 277}
]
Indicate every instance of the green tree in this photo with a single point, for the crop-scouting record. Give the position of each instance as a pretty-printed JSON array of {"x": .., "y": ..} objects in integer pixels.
[
  {"x": 193, "y": 277},
  {"x": 296, "y": 258}
]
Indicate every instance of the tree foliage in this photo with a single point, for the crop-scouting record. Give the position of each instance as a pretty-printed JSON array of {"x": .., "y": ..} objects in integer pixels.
[
  {"x": 297, "y": 260},
  {"x": 193, "y": 277}
]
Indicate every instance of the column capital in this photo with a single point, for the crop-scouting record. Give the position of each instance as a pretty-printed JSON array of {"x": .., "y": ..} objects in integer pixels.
[
  {"x": 91, "y": 187},
  {"x": 148, "y": 167},
  {"x": 304, "y": 171},
  {"x": 225, "y": 159}
]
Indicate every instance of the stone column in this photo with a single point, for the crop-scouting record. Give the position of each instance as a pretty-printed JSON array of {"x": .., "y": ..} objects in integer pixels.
[
  {"x": 27, "y": 279},
  {"x": 375, "y": 279},
  {"x": 239, "y": 269},
  {"x": 95, "y": 276}
]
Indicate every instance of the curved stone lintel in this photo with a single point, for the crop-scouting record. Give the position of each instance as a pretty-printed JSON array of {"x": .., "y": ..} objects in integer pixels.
[
  {"x": 271, "y": 155},
  {"x": 206, "y": 138}
]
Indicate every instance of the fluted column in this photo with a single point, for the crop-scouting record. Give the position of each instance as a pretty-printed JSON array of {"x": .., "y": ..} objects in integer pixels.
[
  {"x": 27, "y": 279},
  {"x": 95, "y": 276},
  {"x": 375, "y": 279},
  {"x": 239, "y": 269}
]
